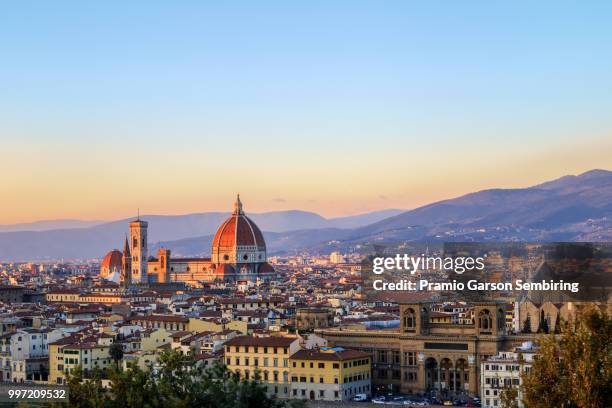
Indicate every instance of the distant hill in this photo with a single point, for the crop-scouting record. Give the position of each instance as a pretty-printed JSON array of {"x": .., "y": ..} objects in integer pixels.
[
  {"x": 37, "y": 241},
  {"x": 549, "y": 211},
  {"x": 47, "y": 225},
  {"x": 571, "y": 208}
]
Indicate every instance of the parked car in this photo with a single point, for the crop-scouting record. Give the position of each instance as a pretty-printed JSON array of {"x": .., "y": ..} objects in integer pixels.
[{"x": 360, "y": 397}]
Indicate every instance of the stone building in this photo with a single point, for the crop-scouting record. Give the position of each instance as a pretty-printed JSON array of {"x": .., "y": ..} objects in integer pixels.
[{"x": 423, "y": 356}]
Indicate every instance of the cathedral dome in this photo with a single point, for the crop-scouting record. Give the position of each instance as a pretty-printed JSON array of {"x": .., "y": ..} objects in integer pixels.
[
  {"x": 238, "y": 239},
  {"x": 112, "y": 262},
  {"x": 238, "y": 230}
]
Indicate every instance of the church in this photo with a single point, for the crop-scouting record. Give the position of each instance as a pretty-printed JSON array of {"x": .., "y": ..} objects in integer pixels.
[{"x": 238, "y": 254}]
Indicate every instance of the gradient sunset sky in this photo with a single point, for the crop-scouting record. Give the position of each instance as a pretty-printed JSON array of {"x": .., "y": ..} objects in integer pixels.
[{"x": 334, "y": 107}]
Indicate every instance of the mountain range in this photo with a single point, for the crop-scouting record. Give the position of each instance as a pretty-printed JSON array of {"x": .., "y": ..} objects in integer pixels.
[{"x": 570, "y": 208}]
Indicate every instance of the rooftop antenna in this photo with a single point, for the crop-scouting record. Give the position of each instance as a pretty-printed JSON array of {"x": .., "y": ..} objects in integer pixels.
[{"x": 138, "y": 216}]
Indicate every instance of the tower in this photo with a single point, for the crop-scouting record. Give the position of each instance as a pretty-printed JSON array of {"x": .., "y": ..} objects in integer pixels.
[
  {"x": 163, "y": 274},
  {"x": 138, "y": 241},
  {"x": 126, "y": 262}
]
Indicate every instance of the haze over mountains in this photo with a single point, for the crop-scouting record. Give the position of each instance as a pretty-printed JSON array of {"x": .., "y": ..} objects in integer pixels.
[
  {"x": 571, "y": 208},
  {"x": 82, "y": 241}
]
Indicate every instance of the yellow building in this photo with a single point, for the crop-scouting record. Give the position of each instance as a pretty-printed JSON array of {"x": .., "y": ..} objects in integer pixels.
[
  {"x": 268, "y": 356},
  {"x": 151, "y": 339},
  {"x": 330, "y": 374},
  {"x": 68, "y": 353},
  {"x": 218, "y": 325}
]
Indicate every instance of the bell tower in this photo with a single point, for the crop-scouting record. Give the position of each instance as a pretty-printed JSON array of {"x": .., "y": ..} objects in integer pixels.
[
  {"x": 138, "y": 243},
  {"x": 163, "y": 274}
]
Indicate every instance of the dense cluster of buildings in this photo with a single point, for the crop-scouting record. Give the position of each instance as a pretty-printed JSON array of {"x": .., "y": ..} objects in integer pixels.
[{"x": 300, "y": 324}]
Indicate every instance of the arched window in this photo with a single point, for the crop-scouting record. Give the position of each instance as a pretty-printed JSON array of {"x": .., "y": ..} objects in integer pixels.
[
  {"x": 409, "y": 319},
  {"x": 485, "y": 322}
]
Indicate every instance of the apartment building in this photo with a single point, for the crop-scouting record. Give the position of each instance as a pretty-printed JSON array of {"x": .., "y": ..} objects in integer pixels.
[
  {"x": 268, "y": 356},
  {"x": 330, "y": 374},
  {"x": 503, "y": 371}
]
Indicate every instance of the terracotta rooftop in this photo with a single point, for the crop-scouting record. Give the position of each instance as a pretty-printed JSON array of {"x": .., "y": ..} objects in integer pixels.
[
  {"x": 328, "y": 355},
  {"x": 261, "y": 341}
]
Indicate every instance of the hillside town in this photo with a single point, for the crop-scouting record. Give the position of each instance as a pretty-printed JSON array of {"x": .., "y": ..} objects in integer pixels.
[{"x": 300, "y": 323}]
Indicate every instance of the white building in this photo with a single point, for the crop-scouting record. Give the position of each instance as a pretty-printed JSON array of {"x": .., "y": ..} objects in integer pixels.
[
  {"x": 503, "y": 371},
  {"x": 28, "y": 353}
]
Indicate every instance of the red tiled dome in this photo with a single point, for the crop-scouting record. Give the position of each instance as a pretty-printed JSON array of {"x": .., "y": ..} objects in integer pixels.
[
  {"x": 238, "y": 230},
  {"x": 112, "y": 260}
]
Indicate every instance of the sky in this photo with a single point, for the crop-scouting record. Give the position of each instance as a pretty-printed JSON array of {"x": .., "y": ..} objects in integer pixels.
[{"x": 335, "y": 107}]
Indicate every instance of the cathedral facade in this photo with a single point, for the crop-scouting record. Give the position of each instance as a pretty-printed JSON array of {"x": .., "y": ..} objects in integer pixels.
[{"x": 238, "y": 254}]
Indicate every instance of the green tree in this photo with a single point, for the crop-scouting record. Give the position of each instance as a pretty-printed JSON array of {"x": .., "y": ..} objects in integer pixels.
[
  {"x": 574, "y": 370},
  {"x": 527, "y": 324},
  {"x": 116, "y": 353},
  {"x": 85, "y": 392},
  {"x": 543, "y": 325},
  {"x": 509, "y": 398},
  {"x": 176, "y": 381},
  {"x": 557, "y": 329}
]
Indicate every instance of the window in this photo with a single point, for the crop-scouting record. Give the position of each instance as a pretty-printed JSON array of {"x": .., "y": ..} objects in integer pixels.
[
  {"x": 410, "y": 358},
  {"x": 321, "y": 365},
  {"x": 396, "y": 357},
  {"x": 382, "y": 356},
  {"x": 409, "y": 320}
]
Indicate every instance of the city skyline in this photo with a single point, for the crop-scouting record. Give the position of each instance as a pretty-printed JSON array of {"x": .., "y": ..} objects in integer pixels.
[{"x": 337, "y": 108}]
